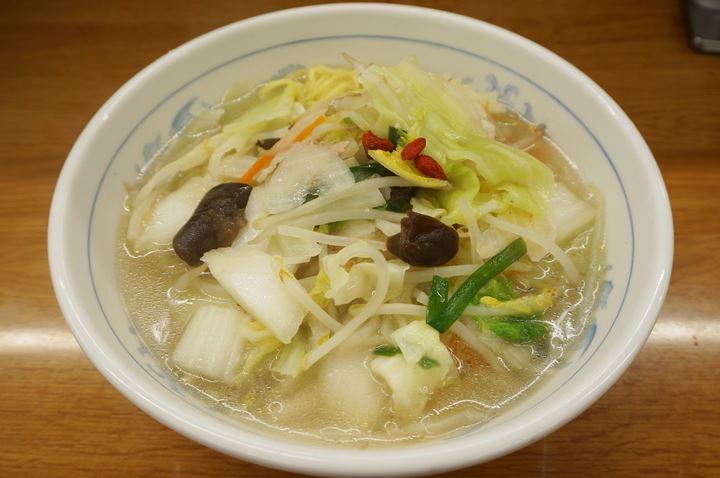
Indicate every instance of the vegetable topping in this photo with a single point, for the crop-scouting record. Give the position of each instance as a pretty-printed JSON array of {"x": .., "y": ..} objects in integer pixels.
[
  {"x": 424, "y": 241},
  {"x": 464, "y": 295},
  {"x": 215, "y": 222}
]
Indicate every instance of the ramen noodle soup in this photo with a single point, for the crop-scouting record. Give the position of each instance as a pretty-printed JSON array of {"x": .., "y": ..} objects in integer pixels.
[{"x": 361, "y": 255}]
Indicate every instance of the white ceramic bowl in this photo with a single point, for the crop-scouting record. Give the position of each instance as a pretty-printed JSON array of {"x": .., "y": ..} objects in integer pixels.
[{"x": 147, "y": 110}]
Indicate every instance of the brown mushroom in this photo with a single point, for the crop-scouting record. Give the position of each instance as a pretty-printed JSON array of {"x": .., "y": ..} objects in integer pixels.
[
  {"x": 215, "y": 222},
  {"x": 424, "y": 241}
]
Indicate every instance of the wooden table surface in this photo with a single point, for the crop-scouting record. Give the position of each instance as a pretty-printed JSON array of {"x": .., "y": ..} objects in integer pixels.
[{"x": 61, "y": 60}]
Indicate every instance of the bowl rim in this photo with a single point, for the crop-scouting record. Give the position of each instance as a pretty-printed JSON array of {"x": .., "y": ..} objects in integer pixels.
[{"x": 117, "y": 373}]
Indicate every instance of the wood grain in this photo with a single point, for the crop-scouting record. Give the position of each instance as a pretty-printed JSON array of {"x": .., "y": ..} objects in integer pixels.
[{"x": 60, "y": 61}]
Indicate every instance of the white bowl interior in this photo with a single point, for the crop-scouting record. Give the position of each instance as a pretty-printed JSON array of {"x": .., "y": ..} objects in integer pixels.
[{"x": 587, "y": 125}]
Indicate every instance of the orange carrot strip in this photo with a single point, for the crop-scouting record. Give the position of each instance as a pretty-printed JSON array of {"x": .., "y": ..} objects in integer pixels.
[
  {"x": 261, "y": 163},
  {"x": 309, "y": 128},
  {"x": 264, "y": 161}
]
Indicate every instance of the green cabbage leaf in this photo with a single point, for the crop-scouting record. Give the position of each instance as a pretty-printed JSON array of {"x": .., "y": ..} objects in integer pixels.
[{"x": 453, "y": 121}]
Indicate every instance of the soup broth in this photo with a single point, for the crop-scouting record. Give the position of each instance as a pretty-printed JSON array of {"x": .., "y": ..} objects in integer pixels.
[{"x": 365, "y": 389}]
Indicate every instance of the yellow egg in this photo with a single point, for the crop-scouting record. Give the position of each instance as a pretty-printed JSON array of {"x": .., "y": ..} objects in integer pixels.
[{"x": 406, "y": 169}]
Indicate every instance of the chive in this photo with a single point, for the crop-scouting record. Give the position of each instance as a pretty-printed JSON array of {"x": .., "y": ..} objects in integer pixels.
[
  {"x": 366, "y": 171},
  {"x": 464, "y": 295},
  {"x": 426, "y": 362},
  {"x": 396, "y": 136},
  {"x": 386, "y": 350},
  {"x": 438, "y": 298}
]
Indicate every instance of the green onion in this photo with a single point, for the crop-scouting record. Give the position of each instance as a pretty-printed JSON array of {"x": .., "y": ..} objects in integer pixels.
[
  {"x": 438, "y": 297},
  {"x": 426, "y": 362},
  {"x": 464, "y": 295},
  {"x": 396, "y": 136},
  {"x": 386, "y": 350},
  {"x": 366, "y": 171}
]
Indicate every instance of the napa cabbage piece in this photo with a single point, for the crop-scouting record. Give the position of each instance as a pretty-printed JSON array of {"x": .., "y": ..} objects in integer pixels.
[
  {"x": 568, "y": 214},
  {"x": 171, "y": 213},
  {"x": 252, "y": 278},
  {"x": 451, "y": 118},
  {"x": 413, "y": 375},
  {"x": 306, "y": 171},
  {"x": 296, "y": 250},
  {"x": 212, "y": 343}
]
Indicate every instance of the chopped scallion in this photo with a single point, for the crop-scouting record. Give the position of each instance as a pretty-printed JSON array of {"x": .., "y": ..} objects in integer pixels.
[
  {"x": 397, "y": 136},
  {"x": 438, "y": 297},
  {"x": 426, "y": 362},
  {"x": 386, "y": 350}
]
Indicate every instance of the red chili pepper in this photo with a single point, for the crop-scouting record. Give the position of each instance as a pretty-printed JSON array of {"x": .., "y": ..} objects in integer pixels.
[
  {"x": 370, "y": 141},
  {"x": 429, "y": 167},
  {"x": 413, "y": 149}
]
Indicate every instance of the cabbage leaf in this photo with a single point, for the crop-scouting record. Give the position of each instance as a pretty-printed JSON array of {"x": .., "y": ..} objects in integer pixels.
[
  {"x": 414, "y": 375},
  {"x": 452, "y": 120},
  {"x": 526, "y": 305}
]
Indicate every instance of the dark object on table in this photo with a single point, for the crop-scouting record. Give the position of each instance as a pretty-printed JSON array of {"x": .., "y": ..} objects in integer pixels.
[{"x": 704, "y": 19}]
